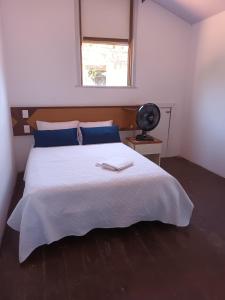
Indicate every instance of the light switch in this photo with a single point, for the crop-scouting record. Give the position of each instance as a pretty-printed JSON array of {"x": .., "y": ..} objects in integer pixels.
[
  {"x": 26, "y": 128},
  {"x": 25, "y": 114}
]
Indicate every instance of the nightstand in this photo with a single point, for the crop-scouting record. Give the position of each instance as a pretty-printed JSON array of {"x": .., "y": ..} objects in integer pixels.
[{"x": 151, "y": 149}]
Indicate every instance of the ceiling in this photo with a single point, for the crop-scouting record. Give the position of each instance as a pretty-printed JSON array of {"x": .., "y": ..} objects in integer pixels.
[{"x": 193, "y": 11}]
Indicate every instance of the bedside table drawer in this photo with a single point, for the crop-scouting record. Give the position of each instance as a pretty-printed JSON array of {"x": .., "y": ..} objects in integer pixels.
[{"x": 148, "y": 148}]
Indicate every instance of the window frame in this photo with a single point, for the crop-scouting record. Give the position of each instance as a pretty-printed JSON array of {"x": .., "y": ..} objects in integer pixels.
[{"x": 129, "y": 42}]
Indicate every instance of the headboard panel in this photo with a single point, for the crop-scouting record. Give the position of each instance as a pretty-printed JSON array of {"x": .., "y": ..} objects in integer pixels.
[{"x": 24, "y": 118}]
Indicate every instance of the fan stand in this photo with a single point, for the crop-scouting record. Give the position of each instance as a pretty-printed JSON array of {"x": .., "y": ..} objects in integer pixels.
[{"x": 144, "y": 137}]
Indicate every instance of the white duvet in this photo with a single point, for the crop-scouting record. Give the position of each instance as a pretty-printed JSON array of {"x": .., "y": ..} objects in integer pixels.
[{"x": 66, "y": 194}]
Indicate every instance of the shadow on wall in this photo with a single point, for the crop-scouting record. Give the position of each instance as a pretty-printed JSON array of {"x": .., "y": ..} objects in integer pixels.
[
  {"x": 207, "y": 116},
  {"x": 7, "y": 168}
]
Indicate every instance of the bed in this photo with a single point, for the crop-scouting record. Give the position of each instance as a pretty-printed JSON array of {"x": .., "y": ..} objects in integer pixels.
[{"x": 67, "y": 194}]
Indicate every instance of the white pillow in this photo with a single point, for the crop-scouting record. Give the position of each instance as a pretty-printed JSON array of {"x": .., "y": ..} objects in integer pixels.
[
  {"x": 41, "y": 125},
  {"x": 91, "y": 125},
  {"x": 96, "y": 124}
]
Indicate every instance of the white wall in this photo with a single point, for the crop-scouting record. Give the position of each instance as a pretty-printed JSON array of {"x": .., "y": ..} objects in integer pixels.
[
  {"x": 42, "y": 68},
  {"x": 204, "y": 139},
  {"x": 7, "y": 171}
]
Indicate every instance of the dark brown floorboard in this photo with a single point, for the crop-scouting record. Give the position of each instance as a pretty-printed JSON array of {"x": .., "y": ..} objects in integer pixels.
[{"x": 147, "y": 261}]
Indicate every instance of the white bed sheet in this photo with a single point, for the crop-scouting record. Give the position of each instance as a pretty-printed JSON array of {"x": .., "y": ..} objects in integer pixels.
[{"x": 66, "y": 194}]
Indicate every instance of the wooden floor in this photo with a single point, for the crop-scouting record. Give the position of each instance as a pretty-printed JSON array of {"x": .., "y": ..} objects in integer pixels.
[{"x": 148, "y": 261}]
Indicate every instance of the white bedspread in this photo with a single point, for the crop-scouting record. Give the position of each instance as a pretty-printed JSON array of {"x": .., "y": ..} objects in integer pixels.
[{"x": 66, "y": 194}]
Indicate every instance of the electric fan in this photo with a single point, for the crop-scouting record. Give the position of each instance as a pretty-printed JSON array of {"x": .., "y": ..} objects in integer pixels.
[{"x": 148, "y": 117}]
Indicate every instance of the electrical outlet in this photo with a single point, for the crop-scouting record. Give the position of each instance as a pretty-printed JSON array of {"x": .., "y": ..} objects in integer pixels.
[
  {"x": 26, "y": 128},
  {"x": 25, "y": 114}
]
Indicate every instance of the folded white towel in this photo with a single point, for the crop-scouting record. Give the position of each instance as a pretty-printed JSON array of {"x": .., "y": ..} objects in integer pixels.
[{"x": 115, "y": 164}]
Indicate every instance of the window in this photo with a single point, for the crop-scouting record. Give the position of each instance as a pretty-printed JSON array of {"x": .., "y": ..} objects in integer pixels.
[
  {"x": 105, "y": 63},
  {"x": 106, "y": 34}
]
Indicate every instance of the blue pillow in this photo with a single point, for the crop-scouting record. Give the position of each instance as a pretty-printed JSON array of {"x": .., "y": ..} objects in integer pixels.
[
  {"x": 54, "y": 138},
  {"x": 100, "y": 135}
]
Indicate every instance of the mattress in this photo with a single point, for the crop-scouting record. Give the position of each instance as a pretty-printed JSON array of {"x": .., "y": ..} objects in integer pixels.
[{"x": 67, "y": 194}]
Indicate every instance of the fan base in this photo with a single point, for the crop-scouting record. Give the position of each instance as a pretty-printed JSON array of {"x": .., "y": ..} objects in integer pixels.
[{"x": 144, "y": 137}]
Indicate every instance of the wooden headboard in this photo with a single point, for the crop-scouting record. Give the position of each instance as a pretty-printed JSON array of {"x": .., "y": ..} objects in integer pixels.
[{"x": 24, "y": 118}]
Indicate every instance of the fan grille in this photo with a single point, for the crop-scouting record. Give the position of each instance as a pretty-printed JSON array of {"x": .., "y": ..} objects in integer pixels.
[{"x": 148, "y": 116}]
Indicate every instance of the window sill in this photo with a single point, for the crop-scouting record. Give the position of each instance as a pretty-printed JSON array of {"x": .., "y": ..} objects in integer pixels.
[{"x": 106, "y": 87}]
